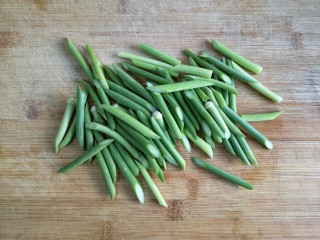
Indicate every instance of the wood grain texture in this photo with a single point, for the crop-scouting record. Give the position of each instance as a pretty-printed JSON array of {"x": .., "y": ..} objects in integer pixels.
[{"x": 38, "y": 74}]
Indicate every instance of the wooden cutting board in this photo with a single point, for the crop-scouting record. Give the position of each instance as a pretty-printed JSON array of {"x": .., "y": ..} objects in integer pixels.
[{"x": 38, "y": 74}]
